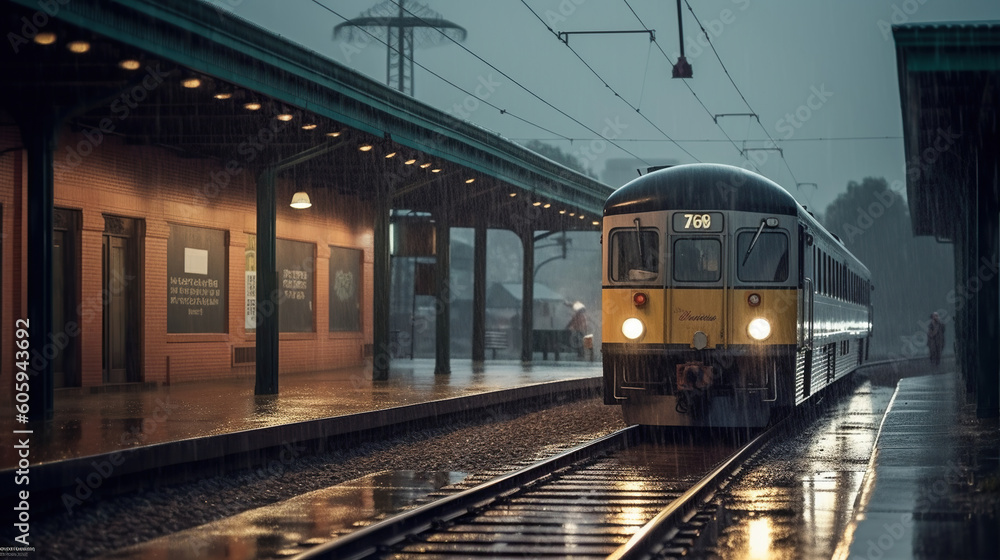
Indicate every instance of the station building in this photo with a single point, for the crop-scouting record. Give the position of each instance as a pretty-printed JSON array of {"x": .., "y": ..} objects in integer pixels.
[{"x": 150, "y": 154}]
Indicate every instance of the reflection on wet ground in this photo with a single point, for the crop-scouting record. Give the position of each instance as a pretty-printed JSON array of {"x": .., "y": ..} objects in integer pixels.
[
  {"x": 88, "y": 423},
  {"x": 823, "y": 495},
  {"x": 798, "y": 502},
  {"x": 288, "y": 527}
]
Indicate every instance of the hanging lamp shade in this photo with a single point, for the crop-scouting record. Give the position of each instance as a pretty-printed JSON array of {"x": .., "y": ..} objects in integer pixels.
[{"x": 301, "y": 200}]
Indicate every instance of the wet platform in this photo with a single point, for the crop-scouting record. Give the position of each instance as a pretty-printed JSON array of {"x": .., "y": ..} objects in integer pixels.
[
  {"x": 932, "y": 486},
  {"x": 140, "y": 428}
]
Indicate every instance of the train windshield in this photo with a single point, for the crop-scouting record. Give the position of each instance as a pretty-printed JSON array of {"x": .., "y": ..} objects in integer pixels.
[
  {"x": 635, "y": 255},
  {"x": 697, "y": 260},
  {"x": 768, "y": 262}
]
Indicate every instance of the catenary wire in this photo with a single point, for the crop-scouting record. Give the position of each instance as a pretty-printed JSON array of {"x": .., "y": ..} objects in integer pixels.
[
  {"x": 518, "y": 84},
  {"x": 607, "y": 85}
]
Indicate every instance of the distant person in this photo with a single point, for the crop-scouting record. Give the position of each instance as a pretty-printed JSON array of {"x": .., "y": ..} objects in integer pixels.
[
  {"x": 577, "y": 327},
  {"x": 935, "y": 338}
]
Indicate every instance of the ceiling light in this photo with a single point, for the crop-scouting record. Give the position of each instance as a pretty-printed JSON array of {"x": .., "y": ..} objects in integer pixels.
[
  {"x": 223, "y": 95},
  {"x": 252, "y": 106},
  {"x": 425, "y": 165},
  {"x": 410, "y": 162},
  {"x": 537, "y": 203},
  {"x": 308, "y": 127},
  {"x": 390, "y": 155},
  {"x": 78, "y": 47},
  {"x": 582, "y": 216},
  {"x": 333, "y": 134},
  {"x": 129, "y": 64},
  {"x": 596, "y": 223},
  {"x": 300, "y": 200},
  {"x": 513, "y": 194},
  {"x": 547, "y": 205},
  {"x": 562, "y": 211},
  {"x": 284, "y": 117},
  {"x": 572, "y": 213},
  {"x": 191, "y": 83},
  {"x": 470, "y": 180},
  {"x": 45, "y": 38},
  {"x": 365, "y": 147},
  {"x": 436, "y": 170}
]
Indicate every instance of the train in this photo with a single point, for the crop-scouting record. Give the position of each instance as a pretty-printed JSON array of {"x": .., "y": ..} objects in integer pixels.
[{"x": 725, "y": 303}]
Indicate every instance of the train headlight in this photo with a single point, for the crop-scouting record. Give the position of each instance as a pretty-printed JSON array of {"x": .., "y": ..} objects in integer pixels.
[
  {"x": 632, "y": 328},
  {"x": 759, "y": 329}
]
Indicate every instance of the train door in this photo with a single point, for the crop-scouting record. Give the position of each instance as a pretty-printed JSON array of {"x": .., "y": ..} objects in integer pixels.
[
  {"x": 65, "y": 285},
  {"x": 120, "y": 260},
  {"x": 807, "y": 272}
]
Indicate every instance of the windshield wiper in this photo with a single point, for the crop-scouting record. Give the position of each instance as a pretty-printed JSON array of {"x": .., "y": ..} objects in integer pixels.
[
  {"x": 638, "y": 243},
  {"x": 753, "y": 242}
]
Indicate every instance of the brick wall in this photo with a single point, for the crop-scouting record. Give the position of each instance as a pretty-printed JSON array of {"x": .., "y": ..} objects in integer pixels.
[{"x": 159, "y": 188}]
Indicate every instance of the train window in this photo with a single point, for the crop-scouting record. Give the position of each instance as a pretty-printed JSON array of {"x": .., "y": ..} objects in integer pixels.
[
  {"x": 766, "y": 260},
  {"x": 697, "y": 260},
  {"x": 635, "y": 256}
]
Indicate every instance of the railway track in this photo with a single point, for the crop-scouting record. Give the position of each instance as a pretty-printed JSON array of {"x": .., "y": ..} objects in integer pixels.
[{"x": 620, "y": 496}]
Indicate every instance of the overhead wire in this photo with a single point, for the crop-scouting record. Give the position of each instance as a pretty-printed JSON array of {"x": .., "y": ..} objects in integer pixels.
[
  {"x": 517, "y": 83},
  {"x": 690, "y": 89},
  {"x": 501, "y": 110},
  {"x": 732, "y": 81},
  {"x": 606, "y": 84}
]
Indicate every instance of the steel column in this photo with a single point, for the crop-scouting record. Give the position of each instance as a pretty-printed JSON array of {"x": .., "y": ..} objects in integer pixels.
[
  {"x": 479, "y": 293},
  {"x": 267, "y": 287},
  {"x": 442, "y": 307},
  {"x": 381, "y": 298},
  {"x": 527, "y": 295},
  {"x": 40, "y": 141},
  {"x": 986, "y": 282}
]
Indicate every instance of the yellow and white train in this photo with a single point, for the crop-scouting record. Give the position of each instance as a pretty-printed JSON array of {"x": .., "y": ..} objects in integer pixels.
[{"x": 725, "y": 303}]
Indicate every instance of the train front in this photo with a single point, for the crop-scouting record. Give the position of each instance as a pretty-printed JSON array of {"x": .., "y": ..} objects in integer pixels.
[{"x": 700, "y": 297}]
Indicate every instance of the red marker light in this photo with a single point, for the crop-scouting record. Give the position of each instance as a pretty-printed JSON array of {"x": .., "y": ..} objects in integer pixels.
[{"x": 639, "y": 299}]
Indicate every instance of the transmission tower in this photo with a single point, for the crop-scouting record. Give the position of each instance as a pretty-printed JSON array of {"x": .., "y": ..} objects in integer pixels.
[{"x": 401, "y": 25}]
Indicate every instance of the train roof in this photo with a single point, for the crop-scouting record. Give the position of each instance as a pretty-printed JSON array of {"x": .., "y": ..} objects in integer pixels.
[{"x": 701, "y": 186}]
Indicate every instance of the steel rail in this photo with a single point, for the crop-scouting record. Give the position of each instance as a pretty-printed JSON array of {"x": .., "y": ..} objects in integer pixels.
[
  {"x": 666, "y": 523},
  {"x": 375, "y": 538}
]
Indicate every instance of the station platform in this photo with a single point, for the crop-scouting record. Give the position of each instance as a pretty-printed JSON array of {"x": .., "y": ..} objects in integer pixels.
[
  {"x": 932, "y": 486},
  {"x": 151, "y": 428}
]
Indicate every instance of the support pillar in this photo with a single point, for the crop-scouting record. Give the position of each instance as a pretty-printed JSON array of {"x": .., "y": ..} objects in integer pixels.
[
  {"x": 442, "y": 307},
  {"x": 40, "y": 141},
  {"x": 267, "y": 287},
  {"x": 479, "y": 294},
  {"x": 527, "y": 295},
  {"x": 381, "y": 355},
  {"x": 987, "y": 280}
]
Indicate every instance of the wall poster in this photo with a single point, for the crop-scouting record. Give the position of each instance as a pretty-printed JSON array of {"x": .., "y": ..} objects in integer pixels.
[
  {"x": 196, "y": 280},
  {"x": 295, "y": 263},
  {"x": 345, "y": 289}
]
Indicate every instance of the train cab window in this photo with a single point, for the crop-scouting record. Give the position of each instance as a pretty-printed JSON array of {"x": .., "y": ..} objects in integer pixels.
[
  {"x": 635, "y": 255},
  {"x": 766, "y": 260},
  {"x": 697, "y": 260}
]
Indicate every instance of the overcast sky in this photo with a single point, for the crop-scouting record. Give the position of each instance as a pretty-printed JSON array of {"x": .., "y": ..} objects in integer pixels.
[{"x": 821, "y": 76}]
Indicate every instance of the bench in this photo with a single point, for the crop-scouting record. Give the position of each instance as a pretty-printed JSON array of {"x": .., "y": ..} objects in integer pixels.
[
  {"x": 550, "y": 340},
  {"x": 496, "y": 340}
]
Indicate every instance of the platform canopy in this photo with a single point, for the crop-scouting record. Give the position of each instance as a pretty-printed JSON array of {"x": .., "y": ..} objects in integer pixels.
[
  {"x": 949, "y": 80},
  {"x": 181, "y": 74}
]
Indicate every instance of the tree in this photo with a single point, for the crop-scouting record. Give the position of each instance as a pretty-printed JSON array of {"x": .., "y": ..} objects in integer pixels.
[
  {"x": 559, "y": 156},
  {"x": 912, "y": 276}
]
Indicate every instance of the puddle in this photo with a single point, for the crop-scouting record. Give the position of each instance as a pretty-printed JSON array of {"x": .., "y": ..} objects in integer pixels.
[{"x": 289, "y": 527}]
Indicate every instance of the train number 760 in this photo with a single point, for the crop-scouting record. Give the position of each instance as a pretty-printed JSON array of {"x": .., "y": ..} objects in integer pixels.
[{"x": 698, "y": 221}]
